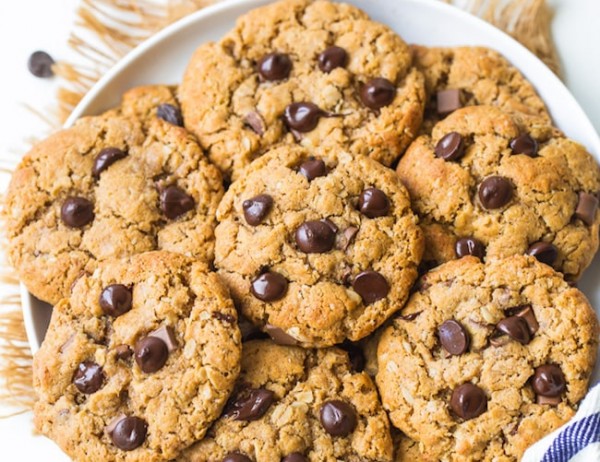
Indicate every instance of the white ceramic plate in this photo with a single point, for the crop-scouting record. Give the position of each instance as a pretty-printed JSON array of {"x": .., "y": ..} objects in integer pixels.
[{"x": 163, "y": 58}]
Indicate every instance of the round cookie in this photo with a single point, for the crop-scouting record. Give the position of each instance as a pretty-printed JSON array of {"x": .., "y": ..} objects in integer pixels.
[
  {"x": 317, "y": 250},
  {"x": 104, "y": 189},
  {"x": 474, "y": 76},
  {"x": 240, "y": 96},
  {"x": 487, "y": 358},
  {"x": 482, "y": 185},
  {"x": 139, "y": 362},
  {"x": 285, "y": 408}
]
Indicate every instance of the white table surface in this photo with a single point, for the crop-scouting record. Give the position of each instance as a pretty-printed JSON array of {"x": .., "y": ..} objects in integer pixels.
[{"x": 28, "y": 25}]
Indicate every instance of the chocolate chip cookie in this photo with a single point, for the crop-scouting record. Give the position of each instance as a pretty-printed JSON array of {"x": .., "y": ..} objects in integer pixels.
[
  {"x": 139, "y": 362},
  {"x": 317, "y": 250},
  {"x": 486, "y": 359},
  {"x": 315, "y": 73},
  {"x": 107, "y": 188},
  {"x": 473, "y": 76},
  {"x": 485, "y": 186},
  {"x": 296, "y": 405}
]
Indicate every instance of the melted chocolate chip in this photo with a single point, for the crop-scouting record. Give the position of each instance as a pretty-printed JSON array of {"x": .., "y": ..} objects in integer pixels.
[
  {"x": 123, "y": 352},
  {"x": 371, "y": 286},
  {"x": 450, "y": 147},
  {"x": 251, "y": 404},
  {"x": 524, "y": 144},
  {"x": 548, "y": 380},
  {"x": 302, "y": 117},
  {"x": 587, "y": 205},
  {"x": 543, "y": 252},
  {"x": 338, "y": 417},
  {"x": 516, "y": 328},
  {"x": 294, "y": 457},
  {"x": 274, "y": 66},
  {"x": 128, "y": 433},
  {"x": 151, "y": 354},
  {"x": 175, "y": 202},
  {"x": 332, "y": 58},
  {"x": 373, "y": 203},
  {"x": 469, "y": 246},
  {"x": 76, "y": 212},
  {"x": 115, "y": 300},
  {"x": 105, "y": 159},
  {"x": 89, "y": 377},
  {"x": 468, "y": 401},
  {"x": 257, "y": 208},
  {"x": 315, "y": 237},
  {"x": 453, "y": 337},
  {"x": 40, "y": 64},
  {"x": 377, "y": 93},
  {"x": 279, "y": 336},
  {"x": 236, "y": 457},
  {"x": 495, "y": 192},
  {"x": 269, "y": 286},
  {"x": 170, "y": 114},
  {"x": 448, "y": 101},
  {"x": 313, "y": 168}
]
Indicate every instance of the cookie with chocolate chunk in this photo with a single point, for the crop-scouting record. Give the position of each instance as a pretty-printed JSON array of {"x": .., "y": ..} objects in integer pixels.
[
  {"x": 314, "y": 73},
  {"x": 138, "y": 362},
  {"x": 486, "y": 359}
]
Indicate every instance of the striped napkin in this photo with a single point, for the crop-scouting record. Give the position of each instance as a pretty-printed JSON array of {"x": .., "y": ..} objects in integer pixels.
[{"x": 577, "y": 441}]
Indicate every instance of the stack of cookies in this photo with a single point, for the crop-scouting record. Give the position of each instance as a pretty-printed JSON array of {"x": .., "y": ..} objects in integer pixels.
[{"x": 323, "y": 246}]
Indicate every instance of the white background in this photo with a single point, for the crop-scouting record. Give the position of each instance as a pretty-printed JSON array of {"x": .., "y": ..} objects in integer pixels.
[{"x": 28, "y": 25}]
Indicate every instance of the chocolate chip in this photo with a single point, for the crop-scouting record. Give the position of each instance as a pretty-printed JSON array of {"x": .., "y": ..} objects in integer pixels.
[
  {"x": 228, "y": 318},
  {"x": 516, "y": 328},
  {"x": 115, "y": 300},
  {"x": 76, "y": 212},
  {"x": 255, "y": 121},
  {"x": 371, "y": 286},
  {"x": 279, "y": 336},
  {"x": 302, "y": 117},
  {"x": 175, "y": 202},
  {"x": 105, "y": 159},
  {"x": 313, "y": 168},
  {"x": 151, "y": 354},
  {"x": 315, "y": 237},
  {"x": 543, "y": 252},
  {"x": 257, "y": 208},
  {"x": 495, "y": 192},
  {"x": 294, "y": 457},
  {"x": 468, "y": 401},
  {"x": 355, "y": 354},
  {"x": 524, "y": 144},
  {"x": 373, "y": 203},
  {"x": 453, "y": 337},
  {"x": 331, "y": 224},
  {"x": 332, "y": 58},
  {"x": 377, "y": 93},
  {"x": 89, "y": 377},
  {"x": 274, "y": 66},
  {"x": 548, "y": 380},
  {"x": 450, "y": 147},
  {"x": 251, "y": 404},
  {"x": 123, "y": 352},
  {"x": 411, "y": 316},
  {"x": 269, "y": 286},
  {"x": 338, "y": 417},
  {"x": 448, "y": 101},
  {"x": 170, "y": 113},
  {"x": 236, "y": 457},
  {"x": 166, "y": 334},
  {"x": 469, "y": 246},
  {"x": 587, "y": 205},
  {"x": 40, "y": 64},
  {"x": 347, "y": 237},
  {"x": 250, "y": 331},
  {"x": 128, "y": 433},
  {"x": 526, "y": 312},
  {"x": 548, "y": 400}
]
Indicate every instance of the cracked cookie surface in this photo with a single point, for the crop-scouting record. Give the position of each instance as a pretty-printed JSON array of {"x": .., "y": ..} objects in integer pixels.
[
  {"x": 527, "y": 349},
  {"x": 481, "y": 176},
  {"x": 323, "y": 249},
  {"x": 106, "y": 188},
  {"x": 483, "y": 77},
  {"x": 152, "y": 338},
  {"x": 300, "y": 383},
  {"x": 236, "y": 111}
]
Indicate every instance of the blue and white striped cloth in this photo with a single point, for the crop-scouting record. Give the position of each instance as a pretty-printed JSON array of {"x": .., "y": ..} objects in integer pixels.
[{"x": 577, "y": 441}]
